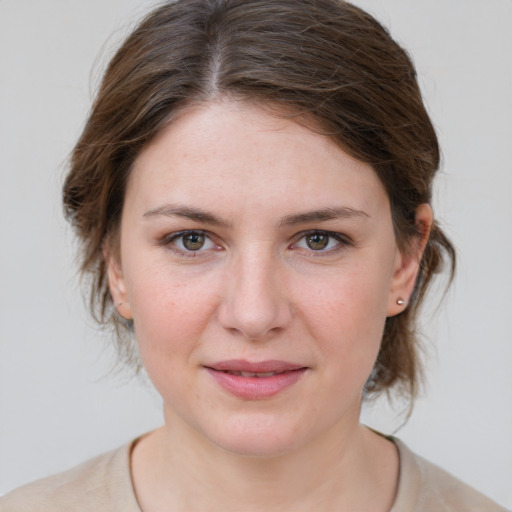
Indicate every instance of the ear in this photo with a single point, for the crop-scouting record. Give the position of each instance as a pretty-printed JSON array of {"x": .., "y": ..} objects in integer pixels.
[
  {"x": 407, "y": 263},
  {"x": 116, "y": 281}
]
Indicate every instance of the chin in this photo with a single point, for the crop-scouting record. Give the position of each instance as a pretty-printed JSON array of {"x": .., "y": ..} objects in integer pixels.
[{"x": 257, "y": 446}]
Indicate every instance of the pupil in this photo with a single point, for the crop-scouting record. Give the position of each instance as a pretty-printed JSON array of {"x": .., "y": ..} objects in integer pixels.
[
  {"x": 194, "y": 241},
  {"x": 317, "y": 241}
]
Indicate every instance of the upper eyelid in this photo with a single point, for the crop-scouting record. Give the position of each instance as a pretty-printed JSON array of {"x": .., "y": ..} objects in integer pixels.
[
  {"x": 177, "y": 234},
  {"x": 183, "y": 232},
  {"x": 334, "y": 234},
  {"x": 343, "y": 242},
  {"x": 169, "y": 243},
  {"x": 171, "y": 237}
]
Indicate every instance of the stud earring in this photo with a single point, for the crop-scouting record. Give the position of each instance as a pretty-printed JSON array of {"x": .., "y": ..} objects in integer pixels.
[
  {"x": 400, "y": 301},
  {"x": 119, "y": 304}
]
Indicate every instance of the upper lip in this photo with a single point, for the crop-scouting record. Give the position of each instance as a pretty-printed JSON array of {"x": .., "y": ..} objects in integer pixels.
[{"x": 240, "y": 365}]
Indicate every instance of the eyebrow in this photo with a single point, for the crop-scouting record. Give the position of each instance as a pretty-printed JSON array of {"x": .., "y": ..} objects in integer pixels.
[
  {"x": 203, "y": 216},
  {"x": 188, "y": 212},
  {"x": 323, "y": 215}
]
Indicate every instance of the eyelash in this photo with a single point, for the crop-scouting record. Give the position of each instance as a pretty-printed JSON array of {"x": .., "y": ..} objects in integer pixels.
[
  {"x": 169, "y": 241},
  {"x": 343, "y": 241}
]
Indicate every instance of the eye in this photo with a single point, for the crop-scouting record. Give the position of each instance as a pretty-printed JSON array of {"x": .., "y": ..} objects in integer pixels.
[
  {"x": 321, "y": 241},
  {"x": 191, "y": 241}
]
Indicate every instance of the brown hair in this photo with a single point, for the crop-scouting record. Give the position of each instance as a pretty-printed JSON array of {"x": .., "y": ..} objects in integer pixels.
[{"x": 325, "y": 60}]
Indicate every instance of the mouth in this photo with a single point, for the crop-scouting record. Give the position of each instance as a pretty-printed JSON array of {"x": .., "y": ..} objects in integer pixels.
[
  {"x": 241, "y": 366},
  {"x": 261, "y": 375},
  {"x": 255, "y": 381}
]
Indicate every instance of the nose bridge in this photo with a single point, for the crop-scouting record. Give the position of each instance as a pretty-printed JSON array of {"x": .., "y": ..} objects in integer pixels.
[{"x": 255, "y": 304}]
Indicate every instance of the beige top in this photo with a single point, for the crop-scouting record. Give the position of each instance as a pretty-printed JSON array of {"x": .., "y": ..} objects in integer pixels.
[{"x": 104, "y": 484}]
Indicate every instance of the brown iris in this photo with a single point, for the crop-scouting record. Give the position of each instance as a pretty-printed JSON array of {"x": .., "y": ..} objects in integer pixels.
[
  {"x": 193, "y": 241},
  {"x": 317, "y": 241}
]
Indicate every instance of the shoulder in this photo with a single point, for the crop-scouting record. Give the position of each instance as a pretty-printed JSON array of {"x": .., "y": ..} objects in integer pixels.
[
  {"x": 100, "y": 484},
  {"x": 424, "y": 487}
]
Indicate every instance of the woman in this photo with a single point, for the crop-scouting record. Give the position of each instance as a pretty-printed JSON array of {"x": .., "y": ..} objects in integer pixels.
[{"x": 252, "y": 193}]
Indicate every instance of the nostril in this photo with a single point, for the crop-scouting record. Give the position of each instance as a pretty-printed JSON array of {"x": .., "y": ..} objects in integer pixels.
[{"x": 255, "y": 324}]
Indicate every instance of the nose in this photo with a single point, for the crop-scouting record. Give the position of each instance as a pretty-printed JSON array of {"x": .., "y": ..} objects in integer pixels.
[{"x": 255, "y": 304}]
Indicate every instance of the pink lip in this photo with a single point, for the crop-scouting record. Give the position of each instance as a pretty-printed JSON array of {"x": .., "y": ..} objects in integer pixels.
[{"x": 255, "y": 388}]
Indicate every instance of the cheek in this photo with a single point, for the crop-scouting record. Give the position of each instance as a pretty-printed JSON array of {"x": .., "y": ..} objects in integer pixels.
[
  {"x": 346, "y": 315},
  {"x": 170, "y": 309},
  {"x": 170, "y": 318},
  {"x": 355, "y": 299}
]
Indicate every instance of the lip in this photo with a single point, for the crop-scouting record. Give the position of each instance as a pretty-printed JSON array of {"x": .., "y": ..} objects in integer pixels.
[{"x": 253, "y": 387}]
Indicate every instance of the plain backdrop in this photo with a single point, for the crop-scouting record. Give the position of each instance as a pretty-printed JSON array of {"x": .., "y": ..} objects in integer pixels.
[{"x": 60, "y": 400}]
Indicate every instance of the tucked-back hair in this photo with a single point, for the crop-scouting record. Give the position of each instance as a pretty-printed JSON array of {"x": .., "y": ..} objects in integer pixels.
[{"x": 326, "y": 61}]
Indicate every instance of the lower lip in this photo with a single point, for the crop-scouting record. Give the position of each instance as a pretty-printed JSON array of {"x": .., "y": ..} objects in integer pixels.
[{"x": 256, "y": 388}]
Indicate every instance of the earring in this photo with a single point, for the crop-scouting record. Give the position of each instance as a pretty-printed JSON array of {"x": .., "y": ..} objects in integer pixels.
[
  {"x": 400, "y": 301},
  {"x": 119, "y": 304}
]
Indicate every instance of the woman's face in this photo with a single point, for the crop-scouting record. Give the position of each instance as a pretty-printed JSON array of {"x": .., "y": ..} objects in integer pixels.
[{"x": 258, "y": 262}]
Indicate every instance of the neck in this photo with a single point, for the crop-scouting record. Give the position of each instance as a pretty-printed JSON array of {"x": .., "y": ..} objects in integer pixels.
[{"x": 347, "y": 469}]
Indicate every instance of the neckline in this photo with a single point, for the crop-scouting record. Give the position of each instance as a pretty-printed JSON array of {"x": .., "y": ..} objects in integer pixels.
[{"x": 404, "y": 500}]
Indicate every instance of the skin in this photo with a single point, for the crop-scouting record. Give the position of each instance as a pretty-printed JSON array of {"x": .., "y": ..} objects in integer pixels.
[{"x": 257, "y": 290}]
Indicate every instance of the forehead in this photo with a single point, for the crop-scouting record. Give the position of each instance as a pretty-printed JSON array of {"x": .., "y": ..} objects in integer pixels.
[{"x": 225, "y": 151}]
